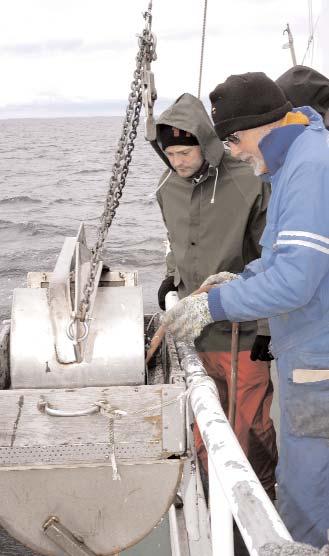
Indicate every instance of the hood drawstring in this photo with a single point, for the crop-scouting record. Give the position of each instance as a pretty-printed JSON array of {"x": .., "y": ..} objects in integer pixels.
[
  {"x": 214, "y": 189},
  {"x": 161, "y": 184}
]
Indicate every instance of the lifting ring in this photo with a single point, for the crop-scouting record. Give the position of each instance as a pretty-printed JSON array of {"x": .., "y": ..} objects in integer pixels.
[{"x": 71, "y": 335}]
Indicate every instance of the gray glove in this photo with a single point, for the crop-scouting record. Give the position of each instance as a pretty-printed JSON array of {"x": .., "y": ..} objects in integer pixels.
[
  {"x": 292, "y": 549},
  {"x": 219, "y": 278},
  {"x": 188, "y": 317}
]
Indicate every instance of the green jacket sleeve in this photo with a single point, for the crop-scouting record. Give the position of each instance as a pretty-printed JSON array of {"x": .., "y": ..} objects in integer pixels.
[
  {"x": 254, "y": 231},
  {"x": 170, "y": 258},
  {"x": 256, "y": 224}
]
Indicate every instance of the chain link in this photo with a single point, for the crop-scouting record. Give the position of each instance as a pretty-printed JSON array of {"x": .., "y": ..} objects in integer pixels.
[{"x": 120, "y": 168}]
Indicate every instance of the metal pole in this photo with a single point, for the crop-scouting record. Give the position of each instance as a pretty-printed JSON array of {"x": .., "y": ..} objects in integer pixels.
[
  {"x": 234, "y": 373},
  {"x": 290, "y": 44},
  {"x": 174, "y": 536},
  {"x": 221, "y": 516},
  {"x": 63, "y": 538}
]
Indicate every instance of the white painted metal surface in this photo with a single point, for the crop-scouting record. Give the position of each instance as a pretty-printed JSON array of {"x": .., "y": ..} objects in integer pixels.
[
  {"x": 197, "y": 518},
  {"x": 52, "y": 346},
  {"x": 175, "y": 540},
  {"x": 191, "y": 535},
  {"x": 114, "y": 350},
  {"x": 221, "y": 515},
  {"x": 60, "y": 303},
  {"x": 190, "y": 526},
  {"x": 171, "y": 300},
  {"x": 253, "y": 511}
]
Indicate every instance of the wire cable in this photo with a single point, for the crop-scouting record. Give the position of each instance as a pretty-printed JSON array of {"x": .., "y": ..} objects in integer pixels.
[{"x": 202, "y": 44}]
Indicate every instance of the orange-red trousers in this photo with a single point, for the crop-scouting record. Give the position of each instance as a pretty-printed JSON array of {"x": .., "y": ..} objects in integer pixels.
[{"x": 253, "y": 425}]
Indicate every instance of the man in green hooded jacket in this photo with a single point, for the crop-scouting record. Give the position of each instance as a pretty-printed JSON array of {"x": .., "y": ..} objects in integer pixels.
[{"x": 214, "y": 210}]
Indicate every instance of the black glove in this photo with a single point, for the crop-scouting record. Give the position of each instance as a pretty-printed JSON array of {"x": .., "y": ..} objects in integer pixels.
[
  {"x": 166, "y": 286},
  {"x": 260, "y": 349}
]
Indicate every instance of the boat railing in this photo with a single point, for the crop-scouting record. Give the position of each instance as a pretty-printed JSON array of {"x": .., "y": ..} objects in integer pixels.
[{"x": 234, "y": 489}]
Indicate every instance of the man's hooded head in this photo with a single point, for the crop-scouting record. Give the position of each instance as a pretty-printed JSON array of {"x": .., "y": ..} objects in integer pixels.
[
  {"x": 304, "y": 86},
  {"x": 182, "y": 149},
  {"x": 185, "y": 128}
]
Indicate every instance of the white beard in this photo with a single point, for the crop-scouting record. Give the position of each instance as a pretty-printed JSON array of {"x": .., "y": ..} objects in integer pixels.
[
  {"x": 256, "y": 162},
  {"x": 258, "y": 166}
]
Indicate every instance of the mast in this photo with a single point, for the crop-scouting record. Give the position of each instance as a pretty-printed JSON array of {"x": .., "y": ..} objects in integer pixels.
[{"x": 290, "y": 44}]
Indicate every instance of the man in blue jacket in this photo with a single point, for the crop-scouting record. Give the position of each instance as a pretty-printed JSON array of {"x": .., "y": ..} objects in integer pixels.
[{"x": 289, "y": 284}]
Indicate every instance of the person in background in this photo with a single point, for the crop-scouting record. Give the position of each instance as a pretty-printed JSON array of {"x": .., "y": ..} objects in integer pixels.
[
  {"x": 304, "y": 86},
  {"x": 214, "y": 211},
  {"x": 289, "y": 284}
]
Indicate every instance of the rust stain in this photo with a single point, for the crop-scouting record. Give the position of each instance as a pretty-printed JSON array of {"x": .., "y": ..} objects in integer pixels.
[
  {"x": 156, "y": 419},
  {"x": 20, "y": 406}
]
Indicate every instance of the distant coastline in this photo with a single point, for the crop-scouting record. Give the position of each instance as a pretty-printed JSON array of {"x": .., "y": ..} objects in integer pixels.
[{"x": 73, "y": 109}]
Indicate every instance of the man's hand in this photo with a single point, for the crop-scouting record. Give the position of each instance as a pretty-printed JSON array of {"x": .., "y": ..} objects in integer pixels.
[
  {"x": 188, "y": 317},
  {"x": 260, "y": 349},
  {"x": 215, "y": 280},
  {"x": 167, "y": 285},
  {"x": 219, "y": 278}
]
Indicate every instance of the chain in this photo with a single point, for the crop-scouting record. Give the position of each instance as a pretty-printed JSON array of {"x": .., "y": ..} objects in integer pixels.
[{"x": 120, "y": 168}]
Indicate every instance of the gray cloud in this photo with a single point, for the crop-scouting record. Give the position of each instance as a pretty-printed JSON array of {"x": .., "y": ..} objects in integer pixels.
[
  {"x": 241, "y": 30},
  {"x": 53, "y": 47},
  {"x": 60, "y": 107}
]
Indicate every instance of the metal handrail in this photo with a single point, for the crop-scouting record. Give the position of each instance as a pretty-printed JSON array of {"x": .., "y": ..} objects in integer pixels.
[
  {"x": 234, "y": 488},
  {"x": 253, "y": 511}
]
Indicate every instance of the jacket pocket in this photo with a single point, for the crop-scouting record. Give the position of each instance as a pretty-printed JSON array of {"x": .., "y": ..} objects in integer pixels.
[{"x": 308, "y": 399}]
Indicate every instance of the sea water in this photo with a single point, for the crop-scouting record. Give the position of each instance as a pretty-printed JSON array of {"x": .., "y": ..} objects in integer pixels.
[{"x": 54, "y": 174}]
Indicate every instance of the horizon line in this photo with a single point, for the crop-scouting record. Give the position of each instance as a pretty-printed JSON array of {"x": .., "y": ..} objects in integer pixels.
[{"x": 74, "y": 109}]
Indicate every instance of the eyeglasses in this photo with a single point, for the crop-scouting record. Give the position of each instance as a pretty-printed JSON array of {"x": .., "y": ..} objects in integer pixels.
[{"x": 232, "y": 138}]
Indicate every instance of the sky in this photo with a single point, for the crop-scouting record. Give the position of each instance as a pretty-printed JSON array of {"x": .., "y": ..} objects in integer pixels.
[{"x": 77, "y": 57}]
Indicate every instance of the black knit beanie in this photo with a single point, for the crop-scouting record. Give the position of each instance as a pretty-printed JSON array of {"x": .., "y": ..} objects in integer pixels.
[
  {"x": 170, "y": 136},
  {"x": 246, "y": 101}
]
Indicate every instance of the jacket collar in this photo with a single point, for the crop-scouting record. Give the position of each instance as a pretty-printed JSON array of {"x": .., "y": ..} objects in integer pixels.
[
  {"x": 197, "y": 176},
  {"x": 203, "y": 173},
  {"x": 275, "y": 146}
]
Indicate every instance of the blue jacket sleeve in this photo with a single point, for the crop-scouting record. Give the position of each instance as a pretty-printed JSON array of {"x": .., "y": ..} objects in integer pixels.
[
  {"x": 299, "y": 254},
  {"x": 252, "y": 268}
]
